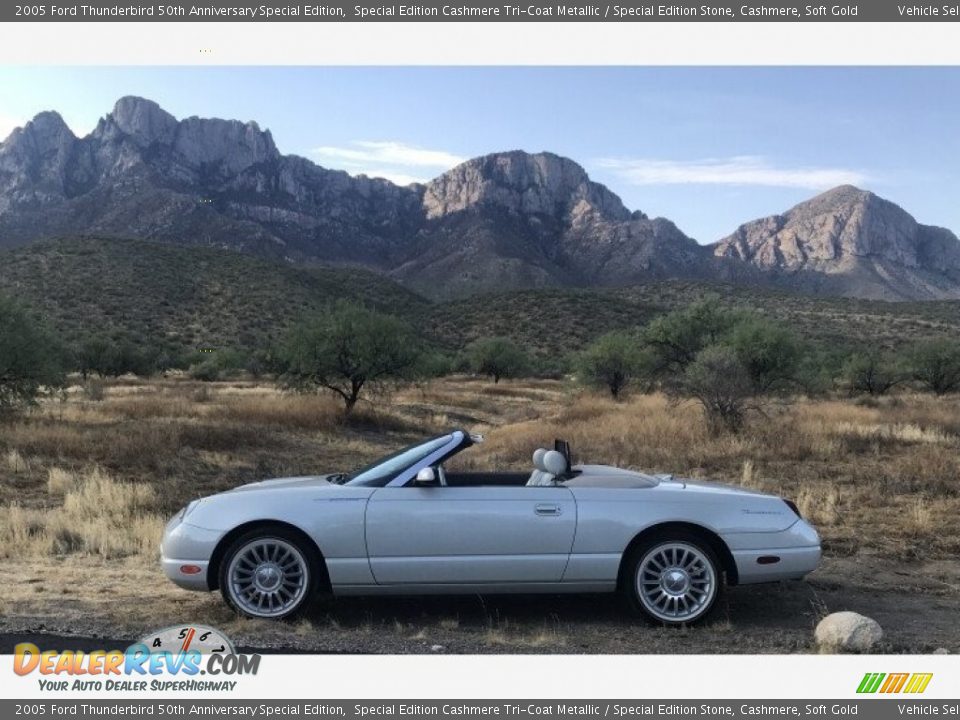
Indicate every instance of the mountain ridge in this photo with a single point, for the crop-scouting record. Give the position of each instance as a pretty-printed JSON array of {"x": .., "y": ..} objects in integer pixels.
[{"x": 498, "y": 222}]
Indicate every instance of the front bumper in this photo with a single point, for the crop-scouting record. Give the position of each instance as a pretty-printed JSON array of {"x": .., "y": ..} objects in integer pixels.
[
  {"x": 186, "y": 545},
  {"x": 796, "y": 550}
]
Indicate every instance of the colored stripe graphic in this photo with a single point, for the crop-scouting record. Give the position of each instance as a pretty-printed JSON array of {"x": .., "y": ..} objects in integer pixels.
[
  {"x": 918, "y": 682},
  {"x": 870, "y": 682},
  {"x": 894, "y": 683}
]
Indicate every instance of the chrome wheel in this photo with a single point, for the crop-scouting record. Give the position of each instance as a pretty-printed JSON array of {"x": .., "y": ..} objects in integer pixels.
[
  {"x": 268, "y": 577},
  {"x": 676, "y": 582}
]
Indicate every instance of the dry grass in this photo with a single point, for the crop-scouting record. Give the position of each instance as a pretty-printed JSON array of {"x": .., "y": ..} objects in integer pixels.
[
  {"x": 300, "y": 412},
  {"x": 60, "y": 481},
  {"x": 99, "y": 516},
  {"x": 15, "y": 462},
  {"x": 883, "y": 475}
]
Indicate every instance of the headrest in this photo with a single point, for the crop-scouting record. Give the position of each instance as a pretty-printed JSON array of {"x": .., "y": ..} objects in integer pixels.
[
  {"x": 555, "y": 463},
  {"x": 538, "y": 459}
]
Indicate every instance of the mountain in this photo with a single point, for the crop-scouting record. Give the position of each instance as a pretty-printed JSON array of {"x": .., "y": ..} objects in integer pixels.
[
  {"x": 141, "y": 173},
  {"x": 502, "y": 222},
  {"x": 515, "y": 220},
  {"x": 849, "y": 242}
]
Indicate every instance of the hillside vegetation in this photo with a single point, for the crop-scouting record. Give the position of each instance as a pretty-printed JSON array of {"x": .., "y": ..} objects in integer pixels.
[
  {"x": 190, "y": 298},
  {"x": 187, "y": 298}
]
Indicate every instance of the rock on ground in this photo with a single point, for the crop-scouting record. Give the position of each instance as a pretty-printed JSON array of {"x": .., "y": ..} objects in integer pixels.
[{"x": 847, "y": 632}]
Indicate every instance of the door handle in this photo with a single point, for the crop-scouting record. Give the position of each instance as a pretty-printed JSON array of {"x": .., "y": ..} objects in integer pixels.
[{"x": 548, "y": 510}]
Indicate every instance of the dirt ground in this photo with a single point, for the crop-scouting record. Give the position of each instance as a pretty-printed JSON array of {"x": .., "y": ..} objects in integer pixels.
[
  {"x": 125, "y": 602},
  {"x": 85, "y": 484}
]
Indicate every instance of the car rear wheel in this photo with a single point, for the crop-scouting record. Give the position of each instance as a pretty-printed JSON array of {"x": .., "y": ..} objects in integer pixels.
[
  {"x": 673, "y": 580},
  {"x": 268, "y": 573}
]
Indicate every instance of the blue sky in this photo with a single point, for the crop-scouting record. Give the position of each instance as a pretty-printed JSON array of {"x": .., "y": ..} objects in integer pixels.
[{"x": 708, "y": 148}]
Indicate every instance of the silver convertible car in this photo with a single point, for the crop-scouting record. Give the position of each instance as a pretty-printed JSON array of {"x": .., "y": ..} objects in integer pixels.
[{"x": 406, "y": 525}]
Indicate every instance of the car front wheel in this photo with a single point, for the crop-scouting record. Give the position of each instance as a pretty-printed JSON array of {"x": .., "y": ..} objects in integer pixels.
[
  {"x": 673, "y": 580},
  {"x": 267, "y": 573}
]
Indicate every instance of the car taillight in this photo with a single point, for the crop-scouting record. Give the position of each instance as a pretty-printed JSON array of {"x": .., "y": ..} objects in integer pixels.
[{"x": 793, "y": 506}]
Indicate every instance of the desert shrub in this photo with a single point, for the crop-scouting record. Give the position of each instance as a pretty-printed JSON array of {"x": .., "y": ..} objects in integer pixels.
[
  {"x": 207, "y": 371},
  {"x": 935, "y": 364},
  {"x": 614, "y": 362},
  {"x": 727, "y": 360},
  {"x": 94, "y": 390},
  {"x": 113, "y": 358},
  {"x": 871, "y": 374},
  {"x": 675, "y": 339},
  {"x": 31, "y": 361},
  {"x": 348, "y": 350},
  {"x": 434, "y": 365},
  {"x": 211, "y": 366},
  {"x": 497, "y": 357},
  {"x": 722, "y": 384},
  {"x": 768, "y": 352}
]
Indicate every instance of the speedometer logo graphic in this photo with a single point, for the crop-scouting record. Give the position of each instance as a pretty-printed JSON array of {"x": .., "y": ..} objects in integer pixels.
[{"x": 184, "y": 638}]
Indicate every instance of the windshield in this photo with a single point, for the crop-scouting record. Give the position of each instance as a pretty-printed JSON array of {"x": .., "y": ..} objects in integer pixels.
[{"x": 386, "y": 469}]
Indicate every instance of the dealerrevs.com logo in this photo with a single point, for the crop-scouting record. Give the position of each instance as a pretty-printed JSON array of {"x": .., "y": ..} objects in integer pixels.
[
  {"x": 169, "y": 660},
  {"x": 888, "y": 683}
]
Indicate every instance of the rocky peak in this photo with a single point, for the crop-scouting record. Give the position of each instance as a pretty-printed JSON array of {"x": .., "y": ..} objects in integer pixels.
[
  {"x": 230, "y": 144},
  {"x": 523, "y": 183},
  {"x": 836, "y": 226},
  {"x": 45, "y": 133},
  {"x": 141, "y": 120}
]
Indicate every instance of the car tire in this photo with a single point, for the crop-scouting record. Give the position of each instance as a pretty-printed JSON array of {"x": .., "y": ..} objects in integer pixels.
[
  {"x": 269, "y": 573},
  {"x": 673, "y": 579}
]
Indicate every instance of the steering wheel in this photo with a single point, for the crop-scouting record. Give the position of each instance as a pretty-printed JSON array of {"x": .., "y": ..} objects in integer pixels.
[{"x": 441, "y": 475}]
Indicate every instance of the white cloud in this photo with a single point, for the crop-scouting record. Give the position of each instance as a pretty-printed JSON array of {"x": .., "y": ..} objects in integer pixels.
[
  {"x": 741, "y": 170},
  {"x": 397, "y": 178},
  {"x": 396, "y": 161}
]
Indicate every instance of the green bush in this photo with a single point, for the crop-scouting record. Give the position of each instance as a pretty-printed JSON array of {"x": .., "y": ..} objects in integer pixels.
[
  {"x": 614, "y": 362},
  {"x": 675, "y": 339},
  {"x": 935, "y": 364},
  {"x": 31, "y": 360},
  {"x": 725, "y": 359},
  {"x": 349, "y": 349},
  {"x": 871, "y": 373},
  {"x": 723, "y": 386},
  {"x": 497, "y": 357}
]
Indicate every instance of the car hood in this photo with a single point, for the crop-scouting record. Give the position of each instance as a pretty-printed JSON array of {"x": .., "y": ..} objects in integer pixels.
[{"x": 319, "y": 482}]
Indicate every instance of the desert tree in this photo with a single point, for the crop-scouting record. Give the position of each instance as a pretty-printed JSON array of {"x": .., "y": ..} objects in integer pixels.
[
  {"x": 675, "y": 339},
  {"x": 871, "y": 373},
  {"x": 31, "y": 360},
  {"x": 614, "y": 362},
  {"x": 730, "y": 361},
  {"x": 935, "y": 364},
  {"x": 721, "y": 383},
  {"x": 497, "y": 357},
  {"x": 348, "y": 350},
  {"x": 769, "y": 353}
]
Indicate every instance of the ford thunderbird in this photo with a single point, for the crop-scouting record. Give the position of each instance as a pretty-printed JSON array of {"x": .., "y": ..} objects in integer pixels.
[{"x": 406, "y": 524}]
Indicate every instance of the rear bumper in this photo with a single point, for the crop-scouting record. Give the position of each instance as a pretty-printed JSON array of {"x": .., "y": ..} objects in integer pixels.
[
  {"x": 769, "y": 557},
  {"x": 185, "y": 554}
]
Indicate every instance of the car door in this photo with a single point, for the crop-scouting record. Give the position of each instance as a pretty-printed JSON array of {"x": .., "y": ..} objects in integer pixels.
[{"x": 469, "y": 535}]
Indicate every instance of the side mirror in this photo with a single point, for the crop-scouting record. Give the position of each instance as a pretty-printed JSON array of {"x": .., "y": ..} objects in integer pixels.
[{"x": 426, "y": 476}]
